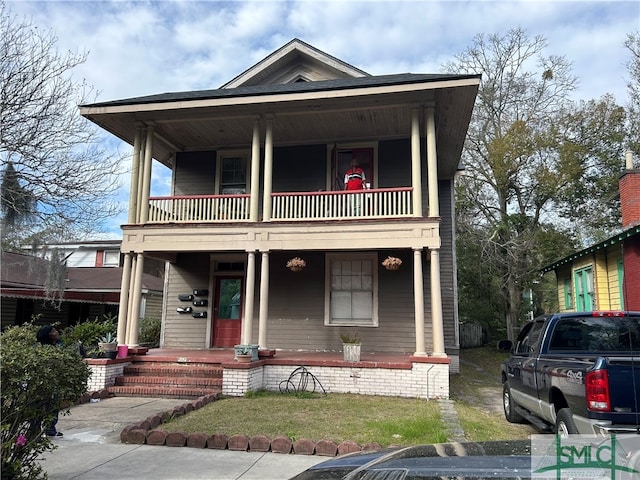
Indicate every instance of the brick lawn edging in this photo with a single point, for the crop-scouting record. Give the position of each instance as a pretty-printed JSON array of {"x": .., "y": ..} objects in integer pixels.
[{"x": 147, "y": 432}]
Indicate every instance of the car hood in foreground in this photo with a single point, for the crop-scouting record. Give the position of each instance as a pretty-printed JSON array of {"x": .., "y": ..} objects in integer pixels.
[{"x": 504, "y": 459}]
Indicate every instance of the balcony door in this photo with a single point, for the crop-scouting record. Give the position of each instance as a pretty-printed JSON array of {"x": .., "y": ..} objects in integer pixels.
[
  {"x": 227, "y": 314},
  {"x": 341, "y": 162}
]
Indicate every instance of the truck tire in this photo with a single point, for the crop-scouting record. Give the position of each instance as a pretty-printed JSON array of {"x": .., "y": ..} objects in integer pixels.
[
  {"x": 509, "y": 407},
  {"x": 565, "y": 425}
]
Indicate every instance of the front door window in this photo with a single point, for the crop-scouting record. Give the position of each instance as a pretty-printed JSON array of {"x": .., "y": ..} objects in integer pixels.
[{"x": 227, "y": 319}]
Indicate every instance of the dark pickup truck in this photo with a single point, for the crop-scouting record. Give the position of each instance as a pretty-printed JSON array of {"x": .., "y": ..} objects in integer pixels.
[{"x": 575, "y": 373}]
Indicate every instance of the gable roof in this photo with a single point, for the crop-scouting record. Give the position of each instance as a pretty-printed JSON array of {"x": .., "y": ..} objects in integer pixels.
[{"x": 294, "y": 62}]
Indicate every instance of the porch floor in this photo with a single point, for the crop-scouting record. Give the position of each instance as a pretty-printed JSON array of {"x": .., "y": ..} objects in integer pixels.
[{"x": 286, "y": 357}]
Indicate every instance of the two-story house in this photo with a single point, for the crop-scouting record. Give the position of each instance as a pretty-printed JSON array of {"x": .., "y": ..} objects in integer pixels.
[
  {"x": 258, "y": 170},
  {"x": 606, "y": 275}
]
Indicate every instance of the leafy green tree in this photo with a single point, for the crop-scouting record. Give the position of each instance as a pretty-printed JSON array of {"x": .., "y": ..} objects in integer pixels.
[
  {"x": 56, "y": 175},
  {"x": 36, "y": 379},
  {"x": 632, "y": 44},
  {"x": 535, "y": 162}
]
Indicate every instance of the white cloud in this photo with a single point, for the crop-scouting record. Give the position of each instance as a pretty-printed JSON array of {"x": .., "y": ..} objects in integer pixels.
[{"x": 145, "y": 47}]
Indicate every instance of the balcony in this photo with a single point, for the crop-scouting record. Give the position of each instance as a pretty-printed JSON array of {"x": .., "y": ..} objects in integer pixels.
[{"x": 288, "y": 207}]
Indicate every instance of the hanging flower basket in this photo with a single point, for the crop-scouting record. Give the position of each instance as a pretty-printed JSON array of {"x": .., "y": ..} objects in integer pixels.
[
  {"x": 392, "y": 263},
  {"x": 296, "y": 264}
]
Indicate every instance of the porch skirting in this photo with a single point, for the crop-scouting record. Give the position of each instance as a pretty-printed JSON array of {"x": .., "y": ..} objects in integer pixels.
[
  {"x": 424, "y": 379},
  {"x": 420, "y": 377}
]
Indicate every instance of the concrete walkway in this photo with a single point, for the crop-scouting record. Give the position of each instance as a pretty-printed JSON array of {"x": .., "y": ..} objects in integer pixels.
[{"x": 91, "y": 449}]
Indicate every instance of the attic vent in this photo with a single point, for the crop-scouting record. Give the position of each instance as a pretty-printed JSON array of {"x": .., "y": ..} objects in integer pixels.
[{"x": 300, "y": 80}]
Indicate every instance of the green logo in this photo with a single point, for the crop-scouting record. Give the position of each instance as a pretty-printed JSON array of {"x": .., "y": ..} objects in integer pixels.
[{"x": 582, "y": 456}]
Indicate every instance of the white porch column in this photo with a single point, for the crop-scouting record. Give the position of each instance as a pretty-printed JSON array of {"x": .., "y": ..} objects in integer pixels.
[
  {"x": 247, "y": 322},
  {"x": 143, "y": 146},
  {"x": 146, "y": 177},
  {"x": 436, "y": 306},
  {"x": 255, "y": 171},
  {"x": 432, "y": 163},
  {"x": 132, "y": 294},
  {"x": 268, "y": 170},
  {"x": 123, "y": 309},
  {"x": 416, "y": 171},
  {"x": 418, "y": 295},
  {"x": 264, "y": 300},
  {"x": 135, "y": 174},
  {"x": 134, "y": 319}
]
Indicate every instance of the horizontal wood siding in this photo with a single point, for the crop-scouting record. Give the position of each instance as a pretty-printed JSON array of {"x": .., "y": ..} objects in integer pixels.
[
  {"x": 300, "y": 168},
  {"x": 195, "y": 173},
  {"x": 296, "y": 307},
  {"x": 447, "y": 267},
  {"x": 296, "y": 303},
  {"x": 600, "y": 279},
  {"x": 190, "y": 272},
  {"x": 153, "y": 306},
  {"x": 563, "y": 274},
  {"x": 614, "y": 255}
]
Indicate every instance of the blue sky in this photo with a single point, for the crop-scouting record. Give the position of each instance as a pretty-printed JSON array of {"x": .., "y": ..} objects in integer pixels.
[{"x": 146, "y": 47}]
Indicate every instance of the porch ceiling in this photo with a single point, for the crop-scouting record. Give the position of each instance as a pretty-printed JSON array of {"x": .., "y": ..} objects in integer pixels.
[{"x": 328, "y": 116}]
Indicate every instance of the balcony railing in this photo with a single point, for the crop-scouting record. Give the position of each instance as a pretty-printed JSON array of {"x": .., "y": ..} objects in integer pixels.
[
  {"x": 296, "y": 206},
  {"x": 199, "y": 208},
  {"x": 380, "y": 203}
]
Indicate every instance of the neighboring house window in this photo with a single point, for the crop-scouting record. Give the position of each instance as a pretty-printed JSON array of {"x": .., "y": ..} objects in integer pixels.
[
  {"x": 233, "y": 174},
  {"x": 568, "y": 294},
  {"x": 585, "y": 299},
  {"x": 621, "y": 283},
  {"x": 351, "y": 296},
  {"x": 111, "y": 258}
]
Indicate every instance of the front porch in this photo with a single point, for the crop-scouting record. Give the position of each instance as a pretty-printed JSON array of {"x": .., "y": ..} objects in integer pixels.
[{"x": 375, "y": 374}]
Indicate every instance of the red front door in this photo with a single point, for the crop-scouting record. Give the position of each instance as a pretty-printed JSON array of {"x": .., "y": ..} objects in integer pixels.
[{"x": 227, "y": 314}]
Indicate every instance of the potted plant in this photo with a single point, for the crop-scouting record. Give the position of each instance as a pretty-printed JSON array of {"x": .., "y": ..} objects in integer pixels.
[
  {"x": 296, "y": 264},
  {"x": 246, "y": 353},
  {"x": 351, "y": 345},
  {"x": 108, "y": 344},
  {"x": 392, "y": 263}
]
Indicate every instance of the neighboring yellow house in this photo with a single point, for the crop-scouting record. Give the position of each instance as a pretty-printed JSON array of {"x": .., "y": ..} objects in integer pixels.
[
  {"x": 593, "y": 279},
  {"x": 606, "y": 276}
]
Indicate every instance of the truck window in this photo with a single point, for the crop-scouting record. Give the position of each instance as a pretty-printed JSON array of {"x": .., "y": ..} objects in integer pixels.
[
  {"x": 528, "y": 339},
  {"x": 596, "y": 334}
]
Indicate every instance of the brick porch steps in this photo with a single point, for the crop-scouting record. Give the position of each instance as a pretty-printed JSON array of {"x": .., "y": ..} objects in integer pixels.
[{"x": 168, "y": 380}]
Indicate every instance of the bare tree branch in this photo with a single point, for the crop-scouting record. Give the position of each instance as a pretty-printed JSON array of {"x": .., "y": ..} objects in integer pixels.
[{"x": 56, "y": 157}]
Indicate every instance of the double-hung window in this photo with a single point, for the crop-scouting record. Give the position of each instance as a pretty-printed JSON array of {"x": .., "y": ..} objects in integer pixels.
[
  {"x": 351, "y": 296},
  {"x": 233, "y": 173}
]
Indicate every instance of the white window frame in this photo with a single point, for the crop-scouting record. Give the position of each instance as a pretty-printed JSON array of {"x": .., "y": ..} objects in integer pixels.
[
  {"x": 108, "y": 257},
  {"x": 368, "y": 256},
  {"x": 233, "y": 154}
]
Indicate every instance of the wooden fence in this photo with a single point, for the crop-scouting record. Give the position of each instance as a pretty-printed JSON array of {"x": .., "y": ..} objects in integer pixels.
[{"x": 471, "y": 335}]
